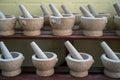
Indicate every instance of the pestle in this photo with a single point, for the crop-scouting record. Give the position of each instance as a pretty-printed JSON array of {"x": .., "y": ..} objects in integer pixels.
[
  {"x": 74, "y": 53},
  {"x": 5, "y": 51},
  {"x": 2, "y": 16},
  {"x": 92, "y": 10},
  {"x": 117, "y": 7},
  {"x": 109, "y": 51},
  {"x": 55, "y": 10},
  {"x": 66, "y": 10},
  {"x": 85, "y": 12},
  {"x": 44, "y": 9},
  {"x": 25, "y": 11},
  {"x": 40, "y": 54}
]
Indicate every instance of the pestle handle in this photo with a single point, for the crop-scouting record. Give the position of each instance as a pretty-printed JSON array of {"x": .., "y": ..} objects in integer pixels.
[
  {"x": 74, "y": 53},
  {"x": 117, "y": 8},
  {"x": 44, "y": 9},
  {"x": 109, "y": 51},
  {"x": 55, "y": 10},
  {"x": 85, "y": 12},
  {"x": 92, "y": 10},
  {"x": 40, "y": 54},
  {"x": 2, "y": 16},
  {"x": 25, "y": 11},
  {"x": 66, "y": 10},
  {"x": 5, "y": 51}
]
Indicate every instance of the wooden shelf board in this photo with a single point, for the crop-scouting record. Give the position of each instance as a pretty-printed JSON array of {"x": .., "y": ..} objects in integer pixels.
[
  {"x": 61, "y": 73},
  {"x": 108, "y": 35}
]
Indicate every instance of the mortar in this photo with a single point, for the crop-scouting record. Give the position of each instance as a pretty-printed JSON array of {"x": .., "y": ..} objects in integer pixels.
[
  {"x": 93, "y": 26},
  {"x": 111, "y": 67},
  {"x": 7, "y": 25},
  {"x": 31, "y": 26},
  {"x": 45, "y": 67},
  {"x": 117, "y": 23},
  {"x": 79, "y": 68},
  {"x": 62, "y": 26},
  {"x": 11, "y": 67}
]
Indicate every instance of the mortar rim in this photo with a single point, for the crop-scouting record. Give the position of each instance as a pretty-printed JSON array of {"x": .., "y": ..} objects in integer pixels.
[
  {"x": 90, "y": 18},
  {"x": 103, "y": 56},
  {"x": 71, "y": 16},
  {"x": 49, "y": 59},
  {"x": 37, "y": 17},
  {"x": 9, "y": 17},
  {"x": 20, "y": 55},
  {"x": 116, "y": 17},
  {"x": 76, "y": 60}
]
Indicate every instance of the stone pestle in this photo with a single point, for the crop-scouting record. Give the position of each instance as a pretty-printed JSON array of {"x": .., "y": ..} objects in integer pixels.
[
  {"x": 74, "y": 53},
  {"x": 25, "y": 11},
  {"x": 109, "y": 51},
  {"x": 92, "y": 10},
  {"x": 55, "y": 10},
  {"x": 66, "y": 10},
  {"x": 2, "y": 16},
  {"x": 44, "y": 9},
  {"x": 5, "y": 51},
  {"x": 40, "y": 54},
  {"x": 85, "y": 12},
  {"x": 117, "y": 8}
]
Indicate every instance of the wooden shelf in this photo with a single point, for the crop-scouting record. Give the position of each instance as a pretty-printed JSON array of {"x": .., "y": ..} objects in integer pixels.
[
  {"x": 61, "y": 73},
  {"x": 108, "y": 35},
  {"x": 33, "y": 76}
]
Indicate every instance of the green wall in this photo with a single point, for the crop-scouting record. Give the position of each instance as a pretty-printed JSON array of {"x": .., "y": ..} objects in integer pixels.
[{"x": 88, "y": 46}]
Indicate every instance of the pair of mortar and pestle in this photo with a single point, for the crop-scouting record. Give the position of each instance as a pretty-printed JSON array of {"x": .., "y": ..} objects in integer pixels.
[
  {"x": 10, "y": 62},
  {"x": 92, "y": 25},
  {"x": 117, "y": 17},
  {"x": 56, "y": 13},
  {"x": 44, "y": 62},
  {"x": 61, "y": 24},
  {"x": 78, "y": 62},
  {"x": 7, "y": 24},
  {"x": 31, "y": 25},
  {"x": 110, "y": 61},
  {"x": 77, "y": 16}
]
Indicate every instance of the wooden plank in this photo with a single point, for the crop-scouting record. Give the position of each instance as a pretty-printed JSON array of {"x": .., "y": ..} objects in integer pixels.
[
  {"x": 33, "y": 76},
  {"x": 61, "y": 73},
  {"x": 63, "y": 69},
  {"x": 108, "y": 35}
]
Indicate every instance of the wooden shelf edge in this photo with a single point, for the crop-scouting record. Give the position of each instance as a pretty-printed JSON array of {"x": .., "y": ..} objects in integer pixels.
[
  {"x": 61, "y": 74},
  {"x": 63, "y": 69},
  {"x": 75, "y": 36}
]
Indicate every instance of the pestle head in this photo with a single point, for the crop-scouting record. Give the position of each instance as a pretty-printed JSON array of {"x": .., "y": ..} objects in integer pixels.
[
  {"x": 2, "y": 16},
  {"x": 40, "y": 54},
  {"x": 85, "y": 12},
  {"x": 92, "y": 10},
  {"x": 25, "y": 11},
  {"x": 55, "y": 10},
  {"x": 117, "y": 7},
  {"x": 109, "y": 51},
  {"x": 74, "y": 53},
  {"x": 66, "y": 10},
  {"x": 5, "y": 51},
  {"x": 44, "y": 9}
]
